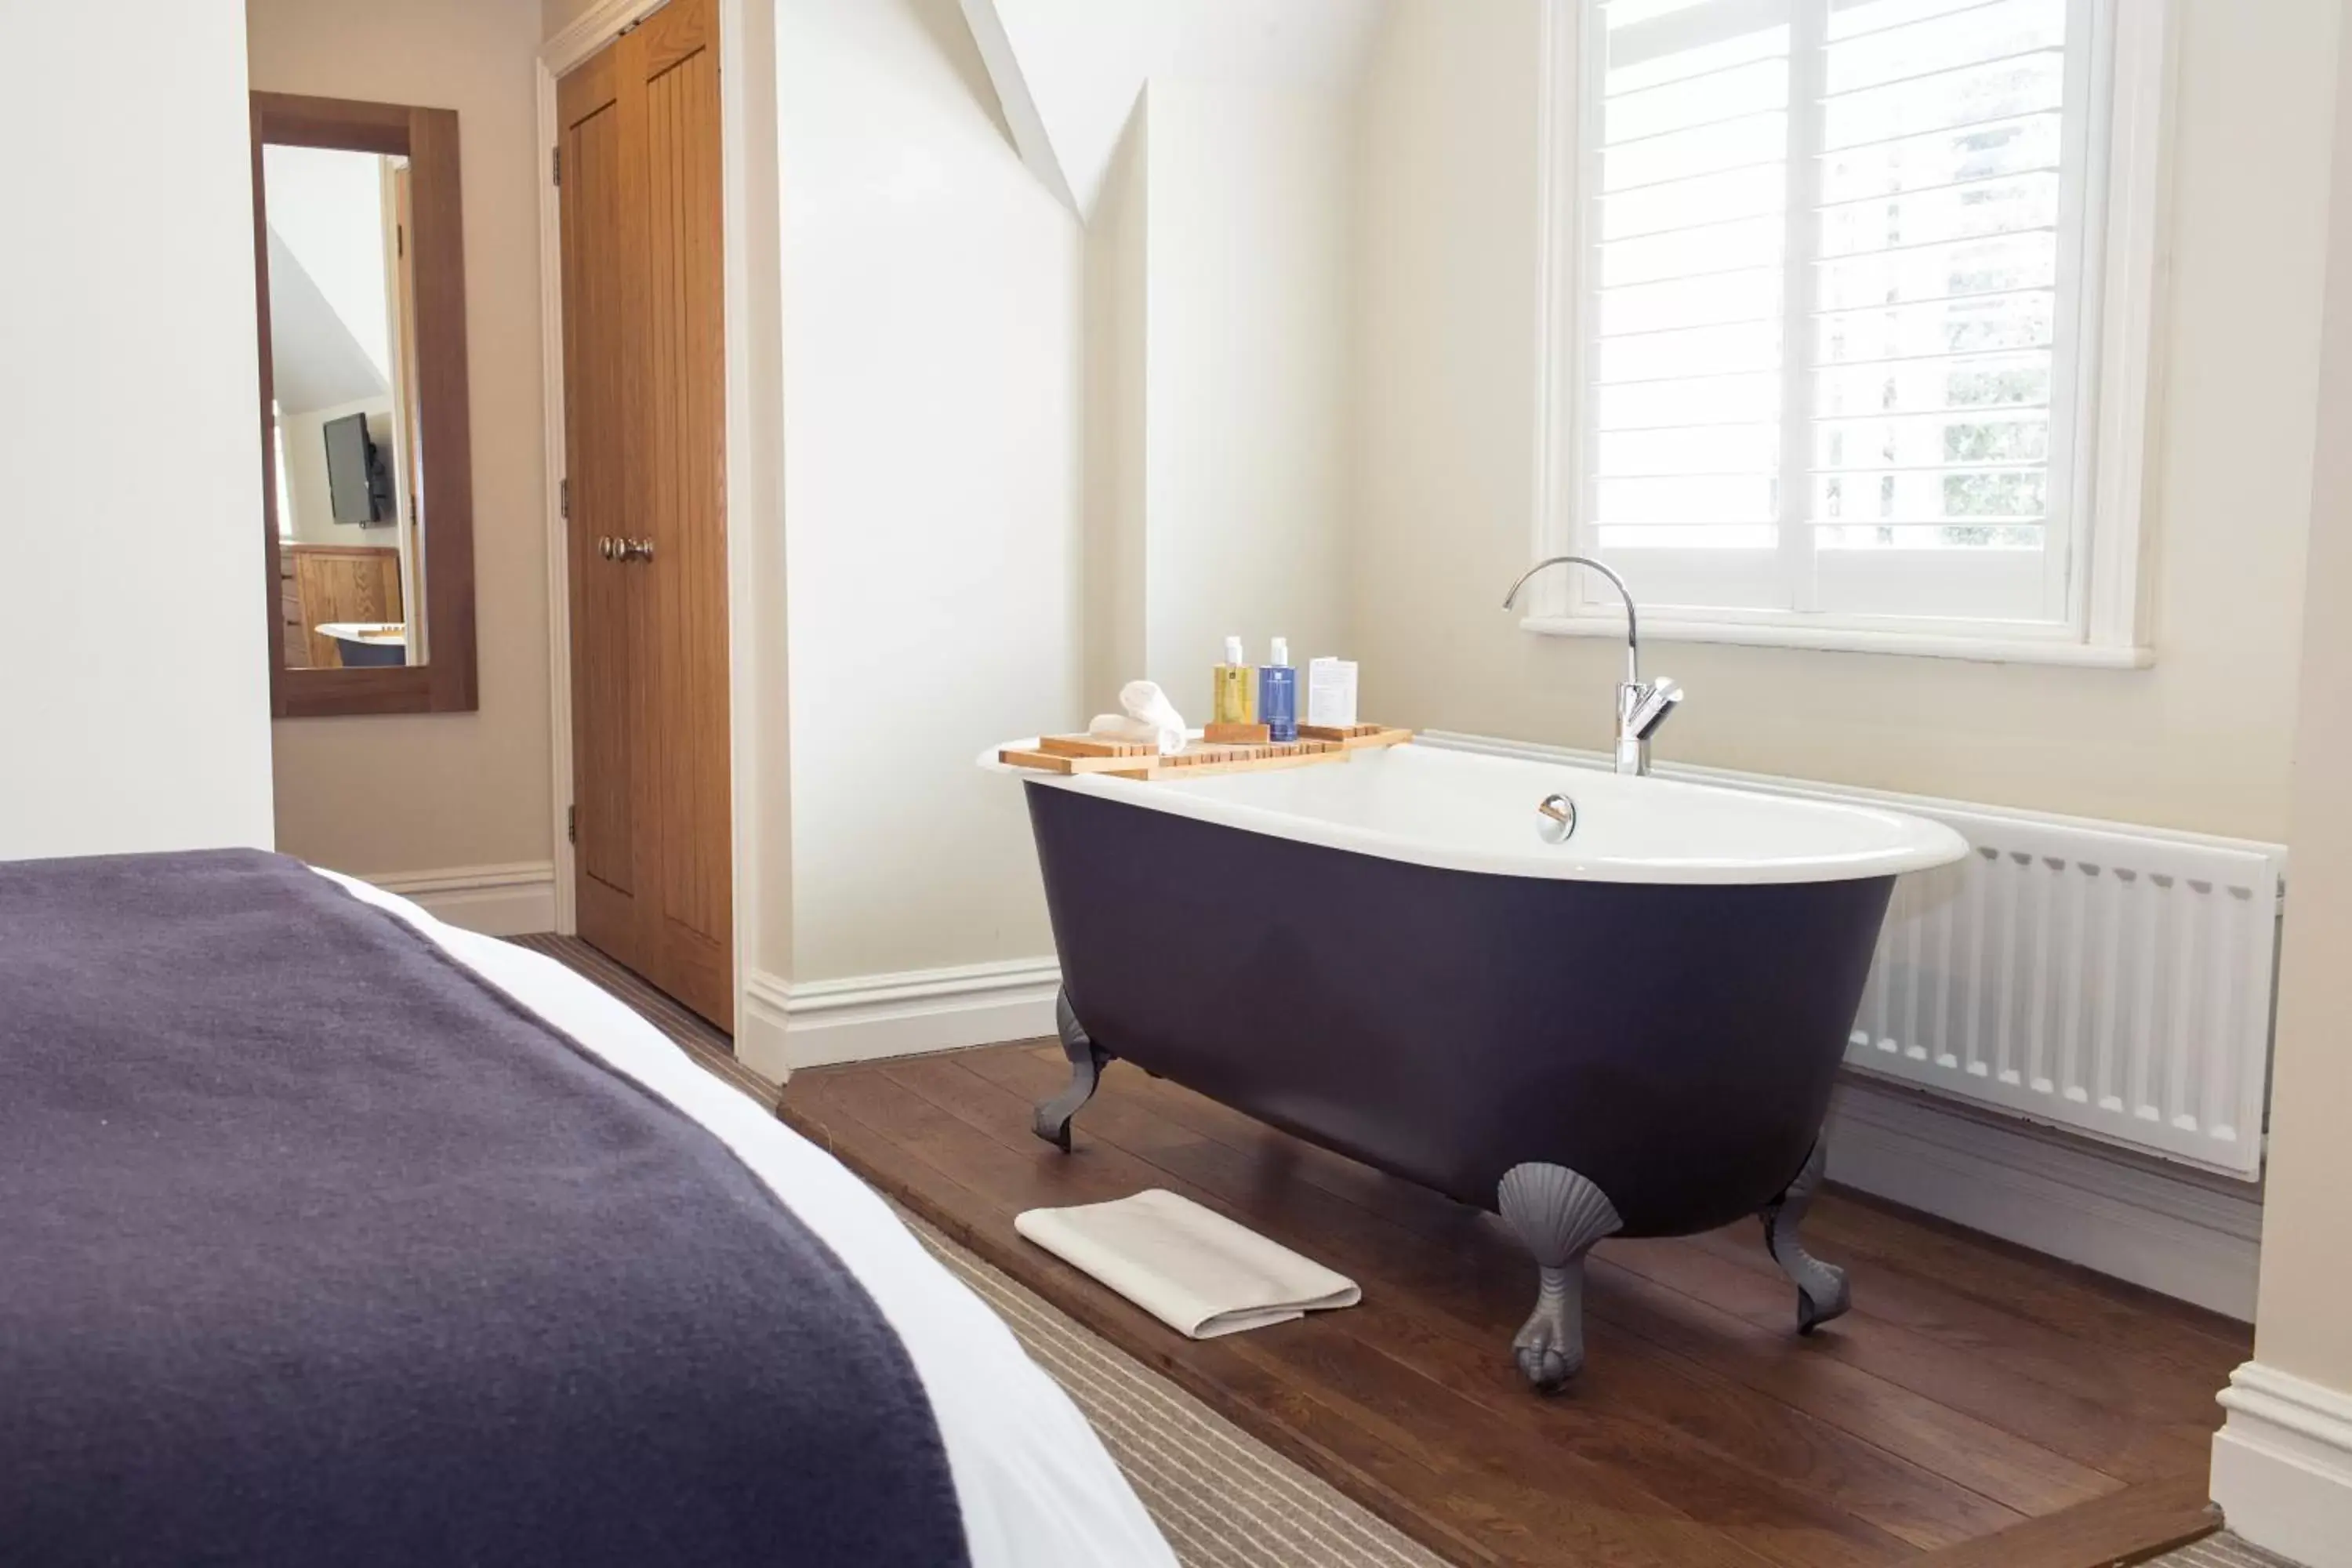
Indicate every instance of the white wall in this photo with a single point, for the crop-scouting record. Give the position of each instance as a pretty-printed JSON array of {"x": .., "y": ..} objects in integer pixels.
[
  {"x": 2282, "y": 1464},
  {"x": 314, "y": 359},
  {"x": 1117, "y": 342},
  {"x": 327, "y": 205},
  {"x": 111, "y": 740},
  {"x": 931, "y": 370},
  {"x": 1249, "y": 311},
  {"x": 445, "y": 793},
  {"x": 761, "y": 648},
  {"x": 557, "y": 15},
  {"x": 1211, "y": 146},
  {"x": 1024, "y": 464},
  {"x": 1446, "y": 487}
]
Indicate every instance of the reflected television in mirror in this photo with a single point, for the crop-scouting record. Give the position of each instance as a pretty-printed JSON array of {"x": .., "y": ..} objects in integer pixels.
[{"x": 359, "y": 481}]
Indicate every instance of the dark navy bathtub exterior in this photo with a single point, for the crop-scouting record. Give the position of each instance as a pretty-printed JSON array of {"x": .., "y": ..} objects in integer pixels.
[{"x": 1674, "y": 1044}]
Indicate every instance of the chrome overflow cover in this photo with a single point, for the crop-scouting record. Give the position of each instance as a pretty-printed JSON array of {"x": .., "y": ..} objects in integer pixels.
[{"x": 1556, "y": 818}]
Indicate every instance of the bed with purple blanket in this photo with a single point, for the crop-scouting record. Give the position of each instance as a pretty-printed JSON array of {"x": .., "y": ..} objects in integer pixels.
[{"x": 332, "y": 1234}]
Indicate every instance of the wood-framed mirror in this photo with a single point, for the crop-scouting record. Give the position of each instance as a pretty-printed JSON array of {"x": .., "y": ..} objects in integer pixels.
[{"x": 367, "y": 492}]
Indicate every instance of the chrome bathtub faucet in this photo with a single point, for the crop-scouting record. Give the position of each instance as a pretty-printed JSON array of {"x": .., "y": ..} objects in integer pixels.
[{"x": 1641, "y": 709}]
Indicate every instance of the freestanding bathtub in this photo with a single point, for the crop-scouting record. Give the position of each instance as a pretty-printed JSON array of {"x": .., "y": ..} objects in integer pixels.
[{"x": 1633, "y": 1029}]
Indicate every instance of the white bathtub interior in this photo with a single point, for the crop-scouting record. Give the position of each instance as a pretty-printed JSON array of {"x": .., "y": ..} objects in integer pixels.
[{"x": 1464, "y": 812}]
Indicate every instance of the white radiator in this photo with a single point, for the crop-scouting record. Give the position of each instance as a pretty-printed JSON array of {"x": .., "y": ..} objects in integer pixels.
[
  {"x": 2109, "y": 980},
  {"x": 2114, "y": 981}
]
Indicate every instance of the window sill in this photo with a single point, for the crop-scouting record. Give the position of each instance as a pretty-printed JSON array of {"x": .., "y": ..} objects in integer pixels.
[{"x": 1916, "y": 645}]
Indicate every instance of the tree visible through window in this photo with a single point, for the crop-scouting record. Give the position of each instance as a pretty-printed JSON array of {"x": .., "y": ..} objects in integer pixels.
[{"x": 1832, "y": 304}]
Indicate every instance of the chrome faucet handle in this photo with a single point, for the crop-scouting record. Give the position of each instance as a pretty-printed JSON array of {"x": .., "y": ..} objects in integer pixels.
[
  {"x": 1633, "y": 755},
  {"x": 1640, "y": 711},
  {"x": 1652, "y": 706}
]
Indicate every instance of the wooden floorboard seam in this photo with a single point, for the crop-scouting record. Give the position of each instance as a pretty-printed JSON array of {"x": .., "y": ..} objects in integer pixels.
[
  {"x": 1703, "y": 1375},
  {"x": 1918, "y": 1431},
  {"x": 2127, "y": 1524},
  {"x": 1469, "y": 1335},
  {"x": 1608, "y": 1493}
]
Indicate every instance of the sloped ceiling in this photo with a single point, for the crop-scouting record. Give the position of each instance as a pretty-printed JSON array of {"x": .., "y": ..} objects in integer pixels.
[
  {"x": 315, "y": 362},
  {"x": 1067, "y": 72},
  {"x": 329, "y": 330}
]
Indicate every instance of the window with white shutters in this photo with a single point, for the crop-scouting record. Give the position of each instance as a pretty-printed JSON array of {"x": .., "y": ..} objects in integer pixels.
[{"x": 1836, "y": 288}]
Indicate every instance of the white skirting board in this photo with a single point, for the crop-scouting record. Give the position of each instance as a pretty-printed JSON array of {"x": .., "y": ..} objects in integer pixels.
[
  {"x": 2183, "y": 1233},
  {"x": 2283, "y": 1466},
  {"x": 783, "y": 1025},
  {"x": 518, "y": 900}
]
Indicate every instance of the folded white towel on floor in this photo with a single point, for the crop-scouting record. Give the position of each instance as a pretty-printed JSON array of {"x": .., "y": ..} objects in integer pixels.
[
  {"x": 1191, "y": 1268},
  {"x": 1151, "y": 720}
]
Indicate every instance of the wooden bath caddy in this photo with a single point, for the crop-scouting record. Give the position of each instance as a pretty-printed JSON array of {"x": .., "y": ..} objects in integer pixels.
[{"x": 1087, "y": 755}]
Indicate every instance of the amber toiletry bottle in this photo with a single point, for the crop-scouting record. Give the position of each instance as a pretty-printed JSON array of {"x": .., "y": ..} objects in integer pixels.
[{"x": 1237, "y": 688}]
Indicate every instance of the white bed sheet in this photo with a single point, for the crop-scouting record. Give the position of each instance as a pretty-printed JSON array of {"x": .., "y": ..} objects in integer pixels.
[{"x": 1037, "y": 1488}]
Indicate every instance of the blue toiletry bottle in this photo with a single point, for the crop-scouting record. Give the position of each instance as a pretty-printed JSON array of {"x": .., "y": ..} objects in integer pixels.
[{"x": 1277, "y": 695}]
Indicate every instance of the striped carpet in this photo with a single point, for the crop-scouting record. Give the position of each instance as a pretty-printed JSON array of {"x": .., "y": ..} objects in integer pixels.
[
  {"x": 2222, "y": 1551},
  {"x": 1222, "y": 1498}
]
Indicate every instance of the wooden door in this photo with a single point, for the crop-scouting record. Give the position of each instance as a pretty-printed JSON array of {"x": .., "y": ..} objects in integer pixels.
[
  {"x": 645, "y": 415},
  {"x": 342, "y": 583},
  {"x": 399, "y": 203}
]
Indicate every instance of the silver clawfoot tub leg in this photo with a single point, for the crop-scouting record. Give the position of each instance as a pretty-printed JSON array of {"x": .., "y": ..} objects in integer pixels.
[
  {"x": 1052, "y": 1122},
  {"x": 1822, "y": 1292},
  {"x": 1557, "y": 1215}
]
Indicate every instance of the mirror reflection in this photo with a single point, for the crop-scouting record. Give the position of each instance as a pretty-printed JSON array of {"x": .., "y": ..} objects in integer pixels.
[{"x": 343, "y": 369}]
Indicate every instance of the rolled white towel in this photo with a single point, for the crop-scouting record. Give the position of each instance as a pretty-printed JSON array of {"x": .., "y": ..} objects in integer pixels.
[
  {"x": 1119, "y": 727},
  {"x": 1150, "y": 720}
]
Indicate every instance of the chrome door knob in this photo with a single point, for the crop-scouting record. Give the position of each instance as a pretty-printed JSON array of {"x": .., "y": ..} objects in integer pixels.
[
  {"x": 606, "y": 546},
  {"x": 637, "y": 549}
]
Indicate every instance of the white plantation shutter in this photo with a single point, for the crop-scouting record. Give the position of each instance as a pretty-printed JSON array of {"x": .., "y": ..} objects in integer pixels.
[{"x": 1831, "y": 306}]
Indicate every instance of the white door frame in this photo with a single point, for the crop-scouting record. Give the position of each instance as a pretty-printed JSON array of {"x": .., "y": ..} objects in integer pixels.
[{"x": 597, "y": 26}]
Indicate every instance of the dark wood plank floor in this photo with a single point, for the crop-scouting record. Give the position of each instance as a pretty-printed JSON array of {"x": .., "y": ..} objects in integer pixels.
[{"x": 1980, "y": 1406}]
